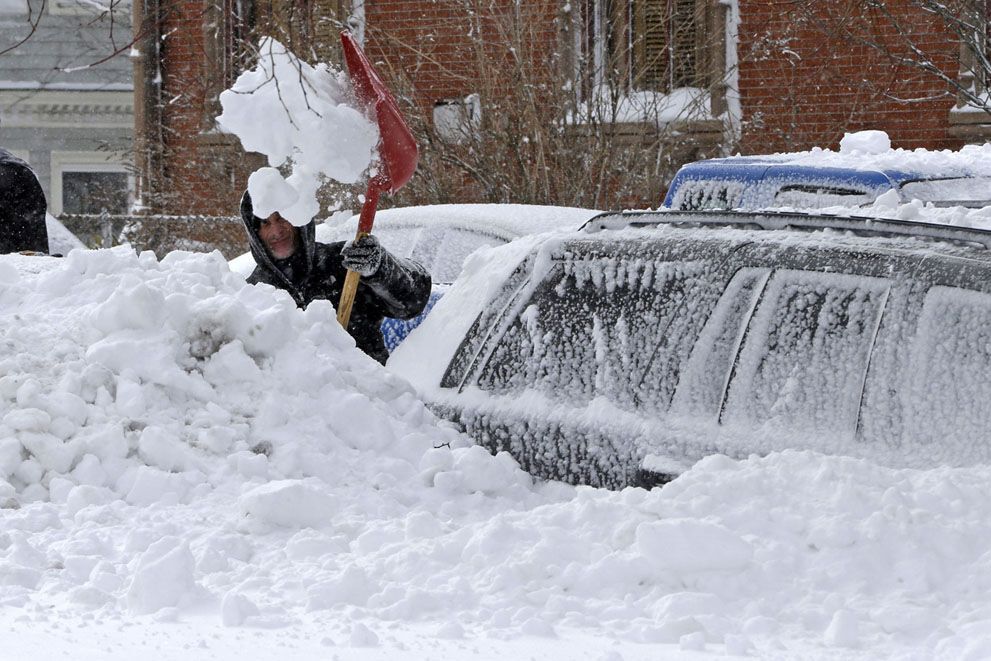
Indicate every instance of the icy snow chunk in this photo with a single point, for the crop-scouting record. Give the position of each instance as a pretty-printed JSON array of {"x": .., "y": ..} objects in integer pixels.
[
  {"x": 235, "y": 608},
  {"x": 296, "y": 113},
  {"x": 160, "y": 448},
  {"x": 10, "y": 456},
  {"x": 865, "y": 142},
  {"x": 270, "y": 192},
  {"x": 151, "y": 485},
  {"x": 89, "y": 471},
  {"x": 291, "y": 503},
  {"x": 362, "y": 636},
  {"x": 132, "y": 306},
  {"x": 352, "y": 586},
  {"x": 50, "y": 451},
  {"x": 692, "y": 545},
  {"x": 84, "y": 496},
  {"x": 28, "y": 419},
  {"x": 163, "y": 577},
  {"x": 843, "y": 630}
]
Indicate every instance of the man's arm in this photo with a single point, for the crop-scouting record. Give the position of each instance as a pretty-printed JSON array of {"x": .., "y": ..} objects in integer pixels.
[{"x": 402, "y": 285}]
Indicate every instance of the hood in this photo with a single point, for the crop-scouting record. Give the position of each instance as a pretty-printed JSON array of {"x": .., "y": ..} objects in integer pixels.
[
  {"x": 22, "y": 207},
  {"x": 307, "y": 235}
]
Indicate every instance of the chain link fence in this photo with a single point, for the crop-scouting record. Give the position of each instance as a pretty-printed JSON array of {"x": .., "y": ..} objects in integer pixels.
[{"x": 160, "y": 234}]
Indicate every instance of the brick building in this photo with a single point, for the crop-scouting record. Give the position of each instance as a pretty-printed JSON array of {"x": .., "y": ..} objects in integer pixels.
[{"x": 481, "y": 80}]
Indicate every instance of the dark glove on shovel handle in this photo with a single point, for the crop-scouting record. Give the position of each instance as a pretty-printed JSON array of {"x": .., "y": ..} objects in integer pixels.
[{"x": 363, "y": 255}]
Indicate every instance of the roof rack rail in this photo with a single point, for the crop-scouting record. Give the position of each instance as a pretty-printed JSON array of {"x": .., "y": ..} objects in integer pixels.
[{"x": 776, "y": 220}]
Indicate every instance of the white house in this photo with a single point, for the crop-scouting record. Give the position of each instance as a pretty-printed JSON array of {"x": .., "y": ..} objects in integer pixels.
[{"x": 66, "y": 99}]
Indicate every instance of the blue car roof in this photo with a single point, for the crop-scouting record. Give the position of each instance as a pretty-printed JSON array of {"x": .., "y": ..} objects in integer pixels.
[
  {"x": 753, "y": 171},
  {"x": 753, "y": 168}
]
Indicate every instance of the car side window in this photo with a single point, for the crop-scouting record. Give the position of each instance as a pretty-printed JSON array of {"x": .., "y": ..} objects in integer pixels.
[
  {"x": 703, "y": 382},
  {"x": 456, "y": 245},
  {"x": 605, "y": 327},
  {"x": 949, "y": 397},
  {"x": 805, "y": 357}
]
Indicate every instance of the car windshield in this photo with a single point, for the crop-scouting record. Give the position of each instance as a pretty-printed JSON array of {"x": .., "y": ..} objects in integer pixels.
[{"x": 957, "y": 189}]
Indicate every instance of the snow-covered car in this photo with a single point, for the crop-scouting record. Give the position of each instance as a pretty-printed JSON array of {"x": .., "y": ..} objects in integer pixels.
[
  {"x": 624, "y": 353},
  {"x": 60, "y": 239},
  {"x": 821, "y": 178},
  {"x": 440, "y": 237}
]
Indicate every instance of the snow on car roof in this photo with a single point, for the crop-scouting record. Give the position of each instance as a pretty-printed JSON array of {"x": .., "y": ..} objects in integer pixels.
[
  {"x": 510, "y": 220},
  {"x": 899, "y": 164}
]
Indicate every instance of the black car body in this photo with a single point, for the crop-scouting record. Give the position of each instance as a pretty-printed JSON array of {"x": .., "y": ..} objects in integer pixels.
[{"x": 650, "y": 340}]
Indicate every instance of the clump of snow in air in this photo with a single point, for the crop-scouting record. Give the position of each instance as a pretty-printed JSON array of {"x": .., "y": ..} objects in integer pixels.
[
  {"x": 865, "y": 142},
  {"x": 193, "y": 465},
  {"x": 301, "y": 116}
]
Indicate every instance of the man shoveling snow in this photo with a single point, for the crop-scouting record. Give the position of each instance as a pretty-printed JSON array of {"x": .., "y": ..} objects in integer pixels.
[
  {"x": 290, "y": 258},
  {"x": 304, "y": 118}
]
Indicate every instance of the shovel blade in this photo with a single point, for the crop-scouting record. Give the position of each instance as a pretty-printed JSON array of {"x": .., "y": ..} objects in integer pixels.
[{"x": 397, "y": 150}]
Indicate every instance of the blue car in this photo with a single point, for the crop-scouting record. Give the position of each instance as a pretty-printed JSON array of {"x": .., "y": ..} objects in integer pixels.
[{"x": 821, "y": 179}]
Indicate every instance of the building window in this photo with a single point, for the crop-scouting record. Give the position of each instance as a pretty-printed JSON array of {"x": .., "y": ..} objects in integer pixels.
[
  {"x": 458, "y": 120},
  {"x": 652, "y": 45},
  {"x": 119, "y": 9},
  {"x": 94, "y": 193},
  {"x": 89, "y": 183}
]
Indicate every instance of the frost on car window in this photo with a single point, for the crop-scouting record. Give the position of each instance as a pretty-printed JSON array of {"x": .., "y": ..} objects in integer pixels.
[
  {"x": 602, "y": 327},
  {"x": 456, "y": 245},
  {"x": 950, "y": 395},
  {"x": 708, "y": 195},
  {"x": 819, "y": 196},
  {"x": 398, "y": 240},
  {"x": 707, "y": 373},
  {"x": 805, "y": 359}
]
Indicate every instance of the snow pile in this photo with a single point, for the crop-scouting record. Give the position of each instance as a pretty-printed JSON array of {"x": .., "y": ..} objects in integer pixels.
[
  {"x": 302, "y": 116},
  {"x": 865, "y": 142},
  {"x": 871, "y": 150},
  {"x": 156, "y": 381},
  {"x": 187, "y": 459}
]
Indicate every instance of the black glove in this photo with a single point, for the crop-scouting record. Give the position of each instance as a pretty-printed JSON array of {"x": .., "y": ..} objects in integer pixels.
[{"x": 363, "y": 255}]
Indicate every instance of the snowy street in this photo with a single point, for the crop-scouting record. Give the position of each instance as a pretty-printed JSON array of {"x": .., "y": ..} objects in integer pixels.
[{"x": 241, "y": 482}]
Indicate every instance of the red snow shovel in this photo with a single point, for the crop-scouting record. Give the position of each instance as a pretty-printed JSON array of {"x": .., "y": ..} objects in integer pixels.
[{"x": 397, "y": 152}]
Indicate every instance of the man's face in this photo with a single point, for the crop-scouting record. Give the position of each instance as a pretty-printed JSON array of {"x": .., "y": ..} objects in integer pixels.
[{"x": 278, "y": 235}]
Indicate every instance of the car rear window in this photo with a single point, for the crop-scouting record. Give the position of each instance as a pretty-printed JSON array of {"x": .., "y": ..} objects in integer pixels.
[
  {"x": 804, "y": 361},
  {"x": 602, "y": 327},
  {"x": 708, "y": 195},
  {"x": 819, "y": 196}
]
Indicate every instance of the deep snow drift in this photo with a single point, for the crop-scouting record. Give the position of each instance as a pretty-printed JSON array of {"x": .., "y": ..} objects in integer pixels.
[{"x": 194, "y": 465}]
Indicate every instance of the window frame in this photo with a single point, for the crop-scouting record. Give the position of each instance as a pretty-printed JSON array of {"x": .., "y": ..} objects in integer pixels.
[
  {"x": 607, "y": 37},
  {"x": 84, "y": 161}
]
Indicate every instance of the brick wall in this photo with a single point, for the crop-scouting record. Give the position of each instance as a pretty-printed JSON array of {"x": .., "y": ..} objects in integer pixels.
[
  {"x": 204, "y": 171},
  {"x": 804, "y": 79},
  {"x": 433, "y": 46}
]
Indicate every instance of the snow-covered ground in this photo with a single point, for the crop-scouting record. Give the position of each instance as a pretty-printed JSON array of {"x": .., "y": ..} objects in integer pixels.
[{"x": 193, "y": 468}]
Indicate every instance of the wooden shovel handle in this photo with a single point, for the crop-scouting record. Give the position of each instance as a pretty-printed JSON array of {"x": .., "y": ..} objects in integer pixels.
[
  {"x": 348, "y": 292},
  {"x": 375, "y": 186}
]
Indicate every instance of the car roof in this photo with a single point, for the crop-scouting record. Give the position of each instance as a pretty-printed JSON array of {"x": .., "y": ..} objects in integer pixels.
[
  {"x": 756, "y": 168},
  {"x": 505, "y": 220},
  {"x": 899, "y": 165},
  {"x": 946, "y": 237}
]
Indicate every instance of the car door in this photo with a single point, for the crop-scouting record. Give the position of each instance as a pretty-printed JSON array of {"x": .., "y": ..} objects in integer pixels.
[{"x": 582, "y": 362}]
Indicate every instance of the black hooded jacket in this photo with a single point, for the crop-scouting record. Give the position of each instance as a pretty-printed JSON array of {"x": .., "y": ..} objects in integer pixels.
[
  {"x": 22, "y": 207},
  {"x": 399, "y": 288}
]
